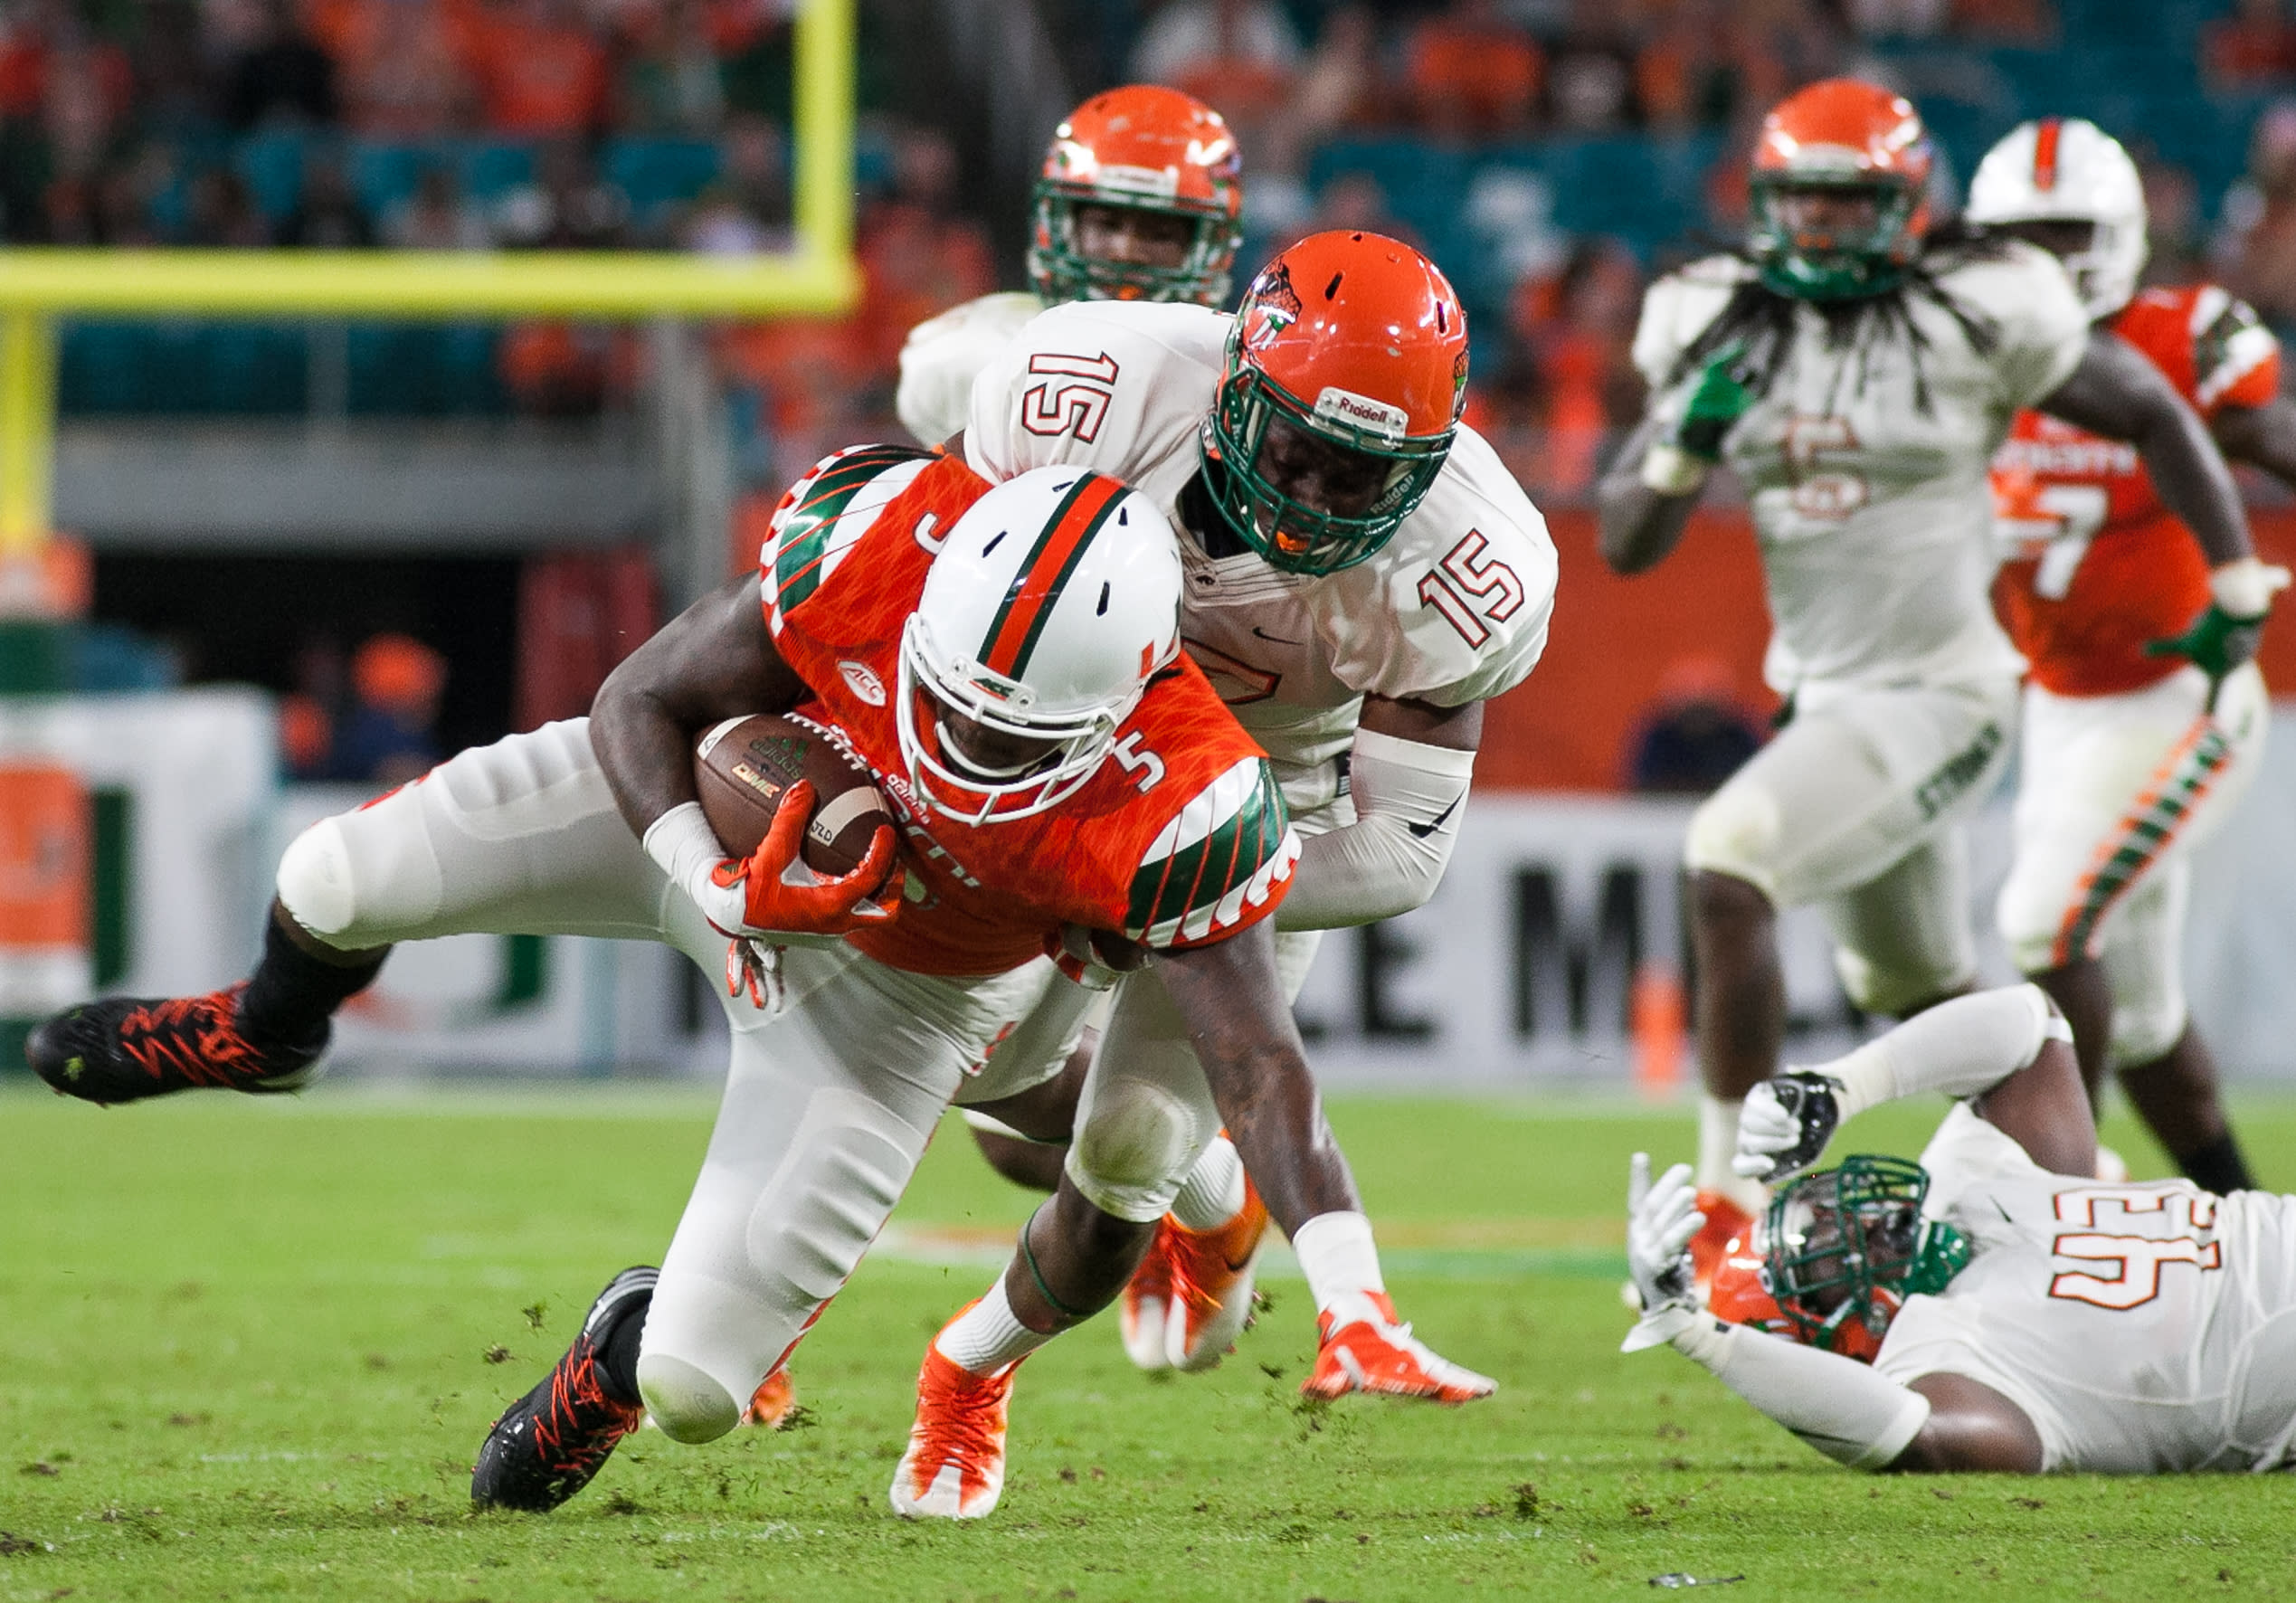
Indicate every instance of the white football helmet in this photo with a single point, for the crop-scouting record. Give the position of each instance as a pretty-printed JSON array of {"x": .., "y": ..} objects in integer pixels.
[
  {"x": 2070, "y": 170},
  {"x": 1052, "y": 601}
]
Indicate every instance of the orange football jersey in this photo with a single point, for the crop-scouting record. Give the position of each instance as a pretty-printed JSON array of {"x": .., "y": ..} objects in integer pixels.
[
  {"x": 1179, "y": 838},
  {"x": 2098, "y": 565}
]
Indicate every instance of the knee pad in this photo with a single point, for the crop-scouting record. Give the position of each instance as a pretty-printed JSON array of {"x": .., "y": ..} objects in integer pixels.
[
  {"x": 1133, "y": 1149},
  {"x": 1735, "y": 832},
  {"x": 688, "y": 1405},
  {"x": 315, "y": 880}
]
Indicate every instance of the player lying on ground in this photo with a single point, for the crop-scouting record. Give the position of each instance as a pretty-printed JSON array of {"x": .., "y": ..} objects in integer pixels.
[
  {"x": 1363, "y": 572},
  {"x": 1856, "y": 369},
  {"x": 987, "y": 652},
  {"x": 2144, "y": 718},
  {"x": 2019, "y": 1314}
]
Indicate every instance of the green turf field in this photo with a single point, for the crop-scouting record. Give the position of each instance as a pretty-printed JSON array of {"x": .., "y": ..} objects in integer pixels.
[{"x": 247, "y": 1350}]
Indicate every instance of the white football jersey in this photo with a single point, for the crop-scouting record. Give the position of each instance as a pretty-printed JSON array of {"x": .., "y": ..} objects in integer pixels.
[
  {"x": 2144, "y": 1327},
  {"x": 1873, "y": 509},
  {"x": 943, "y": 356},
  {"x": 1454, "y": 609}
]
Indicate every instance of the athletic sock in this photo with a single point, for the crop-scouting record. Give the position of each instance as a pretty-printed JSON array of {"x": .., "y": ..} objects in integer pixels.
[
  {"x": 1213, "y": 1192},
  {"x": 292, "y": 994},
  {"x": 1717, "y": 1144},
  {"x": 618, "y": 1350},
  {"x": 988, "y": 1337},
  {"x": 2218, "y": 1167}
]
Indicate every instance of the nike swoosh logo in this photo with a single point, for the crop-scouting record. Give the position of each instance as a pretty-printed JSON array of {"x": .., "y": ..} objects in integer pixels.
[
  {"x": 1424, "y": 830},
  {"x": 1273, "y": 639}
]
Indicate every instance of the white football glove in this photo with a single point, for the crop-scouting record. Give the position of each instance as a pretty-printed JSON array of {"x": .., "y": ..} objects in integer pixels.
[
  {"x": 1785, "y": 1122},
  {"x": 1661, "y": 1218}
]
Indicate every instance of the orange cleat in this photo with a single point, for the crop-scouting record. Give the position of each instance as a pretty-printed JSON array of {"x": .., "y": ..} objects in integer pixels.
[
  {"x": 1146, "y": 1304},
  {"x": 1211, "y": 1283},
  {"x": 954, "y": 1466},
  {"x": 1725, "y": 1222},
  {"x": 1369, "y": 1349},
  {"x": 769, "y": 1404}
]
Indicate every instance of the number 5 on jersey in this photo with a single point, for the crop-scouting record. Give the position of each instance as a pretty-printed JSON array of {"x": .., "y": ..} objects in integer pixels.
[
  {"x": 1464, "y": 578},
  {"x": 1077, "y": 402}
]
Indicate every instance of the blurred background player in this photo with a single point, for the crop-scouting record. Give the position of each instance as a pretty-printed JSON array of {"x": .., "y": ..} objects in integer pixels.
[
  {"x": 1139, "y": 199},
  {"x": 2019, "y": 1316},
  {"x": 1856, "y": 369},
  {"x": 1310, "y": 454},
  {"x": 2144, "y": 718}
]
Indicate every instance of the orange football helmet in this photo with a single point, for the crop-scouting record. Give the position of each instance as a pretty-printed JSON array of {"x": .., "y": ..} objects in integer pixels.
[
  {"x": 1739, "y": 1296},
  {"x": 1840, "y": 191},
  {"x": 1354, "y": 341},
  {"x": 1141, "y": 148}
]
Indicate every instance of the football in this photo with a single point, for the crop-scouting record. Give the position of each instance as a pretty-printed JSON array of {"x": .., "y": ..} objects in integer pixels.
[{"x": 742, "y": 766}]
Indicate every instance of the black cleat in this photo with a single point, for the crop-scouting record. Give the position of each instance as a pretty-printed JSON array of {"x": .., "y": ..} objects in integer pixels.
[
  {"x": 549, "y": 1443},
  {"x": 124, "y": 1049}
]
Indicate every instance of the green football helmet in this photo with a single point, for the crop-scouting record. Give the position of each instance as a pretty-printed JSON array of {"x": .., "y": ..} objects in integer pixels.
[{"x": 1845, "y": 1247}]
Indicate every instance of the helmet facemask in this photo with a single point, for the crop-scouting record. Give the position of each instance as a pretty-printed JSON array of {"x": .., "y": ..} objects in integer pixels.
[
  {"x": 1292, "y": 535},
  {"x": 2102, "y": 256},
  {"x": 1854, "y": 251},
  {"x": 977, "y": 746},
  {"x": 1061, "y": 270},
  {"x": 1842, "y": 1249}
]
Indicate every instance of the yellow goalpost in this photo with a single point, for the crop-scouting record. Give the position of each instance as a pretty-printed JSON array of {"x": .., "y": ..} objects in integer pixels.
[{"x": 817, "y": 275}]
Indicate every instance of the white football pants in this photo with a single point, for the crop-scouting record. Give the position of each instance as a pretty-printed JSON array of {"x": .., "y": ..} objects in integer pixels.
[
  {"x": 1852, "y": 807},
  {"x": 830, "y": 1095},
  {"x": 2116, "y": 791}
]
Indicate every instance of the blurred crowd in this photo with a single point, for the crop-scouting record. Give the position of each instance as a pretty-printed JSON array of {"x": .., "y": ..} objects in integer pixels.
[{"x": 130, "y": 122}]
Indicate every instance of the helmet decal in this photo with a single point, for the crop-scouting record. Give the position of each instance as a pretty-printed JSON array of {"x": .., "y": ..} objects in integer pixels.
[
  {"x": 2044, "y": 154},
  {"x": 1016, "y": 626}
]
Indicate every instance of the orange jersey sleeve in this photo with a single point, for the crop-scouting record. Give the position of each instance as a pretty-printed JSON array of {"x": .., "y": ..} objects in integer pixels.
[{"x": 2094, "y": 564}]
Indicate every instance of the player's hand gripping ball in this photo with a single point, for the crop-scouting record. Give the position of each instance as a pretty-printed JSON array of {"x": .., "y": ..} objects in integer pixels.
[{"x": 813, "y": 841}]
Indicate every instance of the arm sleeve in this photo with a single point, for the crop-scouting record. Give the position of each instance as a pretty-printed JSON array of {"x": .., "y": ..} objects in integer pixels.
[
  {"x": 1408, "y": 797},
  {"x": 1836, "y": 1404},
  {"x": 1961, "y": 1048}
]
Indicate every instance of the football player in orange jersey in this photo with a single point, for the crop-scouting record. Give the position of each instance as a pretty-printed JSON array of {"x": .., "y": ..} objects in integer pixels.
[
  {"x": 2144, "y": 719},
  {"x": 994, "y": 655},
  {"x": 1856, "y": 366}
]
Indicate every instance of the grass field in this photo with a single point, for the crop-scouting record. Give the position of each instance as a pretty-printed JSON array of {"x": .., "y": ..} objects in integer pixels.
[{"x": 247, "y": 1350}]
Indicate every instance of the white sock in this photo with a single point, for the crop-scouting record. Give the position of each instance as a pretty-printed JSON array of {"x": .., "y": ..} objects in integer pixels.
[
  {"x": 1213, "y": 1192},
  {"x": 1336, "y": 1255},
  {"x": 988, "y": 1337},
  {"x": 1717, "y": 1144}
]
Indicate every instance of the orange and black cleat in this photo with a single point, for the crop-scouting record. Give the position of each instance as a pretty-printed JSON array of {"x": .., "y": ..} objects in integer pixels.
[
  {"x": 124, "y": 1049},
  {"x": 548, "y": 1444}
]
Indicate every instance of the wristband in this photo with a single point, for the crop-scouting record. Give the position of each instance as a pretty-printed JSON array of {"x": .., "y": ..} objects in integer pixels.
[
  {"x": 2244, "y": 589},
  {"x": 1670, "y": 470}
]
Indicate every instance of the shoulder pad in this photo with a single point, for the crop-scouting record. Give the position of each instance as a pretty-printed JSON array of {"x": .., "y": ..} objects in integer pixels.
[{"x": 1214, "y": 867}]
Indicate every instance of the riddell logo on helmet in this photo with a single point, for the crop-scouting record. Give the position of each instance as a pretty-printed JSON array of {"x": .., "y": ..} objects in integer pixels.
[
  {"x": 1360, "y": 411},
  {"x": 1162, "y": 183}
]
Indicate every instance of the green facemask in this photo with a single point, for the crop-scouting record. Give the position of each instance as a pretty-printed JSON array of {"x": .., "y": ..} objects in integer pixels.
[
  {"x": 1853, "y": 265},
  {"x": 1838, "y": 1241},
  {"x": 1059, "y": 272}
]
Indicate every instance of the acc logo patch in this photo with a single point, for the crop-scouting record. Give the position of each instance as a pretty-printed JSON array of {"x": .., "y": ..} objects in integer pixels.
[{"x": 865, "y": 684}]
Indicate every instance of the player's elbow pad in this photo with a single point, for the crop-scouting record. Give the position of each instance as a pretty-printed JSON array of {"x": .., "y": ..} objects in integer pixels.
[
  {"x": 1840, "y": 1407},
  {"x": 1408, "y": 797}
]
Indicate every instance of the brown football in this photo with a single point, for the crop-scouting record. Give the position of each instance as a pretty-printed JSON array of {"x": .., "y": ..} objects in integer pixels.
[{"x": 742, "y": 766}]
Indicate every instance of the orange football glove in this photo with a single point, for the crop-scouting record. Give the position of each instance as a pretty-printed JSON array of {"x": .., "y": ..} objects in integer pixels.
[{"x": 782, "y": 895}]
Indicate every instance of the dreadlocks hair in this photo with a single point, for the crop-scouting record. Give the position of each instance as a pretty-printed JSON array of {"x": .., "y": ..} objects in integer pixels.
[{"x": 1760, "y": 321}]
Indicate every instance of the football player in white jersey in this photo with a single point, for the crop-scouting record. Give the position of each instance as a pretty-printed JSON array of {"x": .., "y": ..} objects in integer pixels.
[
  {"x": 2144, "y": 718},
  {"x": 1361, "y": 574},
  {"x": 2021, "y": 1316},
  {"x": 1139, "y": 199},
  {"x": 1856, "y": 370}
]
